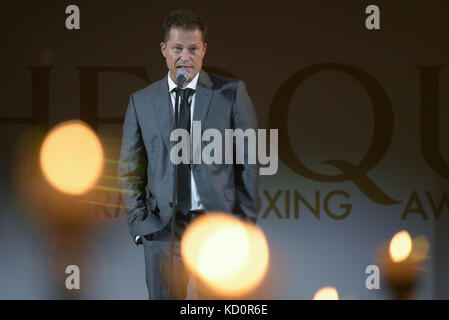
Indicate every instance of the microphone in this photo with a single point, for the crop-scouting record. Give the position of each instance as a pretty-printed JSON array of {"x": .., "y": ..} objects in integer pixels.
[{"x": 181, "y": 77}]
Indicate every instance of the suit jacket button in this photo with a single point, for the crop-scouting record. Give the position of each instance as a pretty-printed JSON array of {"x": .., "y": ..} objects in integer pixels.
[{"x": 170, "y": 204}]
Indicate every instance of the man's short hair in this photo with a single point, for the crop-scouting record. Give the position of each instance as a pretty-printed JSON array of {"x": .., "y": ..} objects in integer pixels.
[{"x": 184, "y": 19}]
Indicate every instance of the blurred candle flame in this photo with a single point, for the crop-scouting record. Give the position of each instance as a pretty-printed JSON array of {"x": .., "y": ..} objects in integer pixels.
[
  {"x": 229, "y": 255},
  {"x": 71, "y": 157},
  {"x": 400, "y": 246},
  {"x": 326, "y": 293}
]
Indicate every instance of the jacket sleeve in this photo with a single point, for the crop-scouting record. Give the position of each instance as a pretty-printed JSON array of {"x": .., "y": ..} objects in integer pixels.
[
  {"x": 246, "y": 175},
  {"x": 131, "y": 171}
]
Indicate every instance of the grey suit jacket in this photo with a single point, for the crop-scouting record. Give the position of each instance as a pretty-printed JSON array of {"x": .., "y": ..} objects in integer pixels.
[{"x": 145, "y": 171}]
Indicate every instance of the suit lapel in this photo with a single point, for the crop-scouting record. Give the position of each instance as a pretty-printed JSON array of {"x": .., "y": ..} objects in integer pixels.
[
  {"x": 164, "y": 112},
  {"x": 203, "y": 97}
]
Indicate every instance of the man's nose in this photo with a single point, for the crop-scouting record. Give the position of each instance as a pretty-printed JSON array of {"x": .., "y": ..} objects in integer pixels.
[{"x": 184, "y": 55}]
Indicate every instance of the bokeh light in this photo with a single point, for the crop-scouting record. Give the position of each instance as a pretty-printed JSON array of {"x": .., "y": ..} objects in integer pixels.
[
  {"x": 71, "y": 157},
  {"x": 230, "y": 256},
  {"x": 400, "y": 246},
  {"x": 421, "y": 247},
  {"x": 326, "y": 293}
]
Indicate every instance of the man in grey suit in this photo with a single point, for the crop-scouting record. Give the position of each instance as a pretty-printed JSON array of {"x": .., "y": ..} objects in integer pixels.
[{"x": 145, "y": 169}]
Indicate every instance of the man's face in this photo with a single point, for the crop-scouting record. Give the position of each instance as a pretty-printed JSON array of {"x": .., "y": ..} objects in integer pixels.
[{"x": 184, "y": 49}]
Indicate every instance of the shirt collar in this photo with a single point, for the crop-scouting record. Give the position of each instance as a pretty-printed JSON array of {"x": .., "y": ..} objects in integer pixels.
[{"x": 192, "y": 84}]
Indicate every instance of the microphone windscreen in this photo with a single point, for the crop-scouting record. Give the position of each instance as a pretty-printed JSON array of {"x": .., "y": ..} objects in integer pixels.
[{"x": 182, "y": 76}]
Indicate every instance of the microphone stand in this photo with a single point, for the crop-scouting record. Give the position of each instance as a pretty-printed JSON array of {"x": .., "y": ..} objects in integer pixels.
[{"x": 174, "y": 199}]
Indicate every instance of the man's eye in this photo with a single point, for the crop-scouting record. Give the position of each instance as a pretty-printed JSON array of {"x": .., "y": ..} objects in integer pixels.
[{"x": 177, "y": 48}]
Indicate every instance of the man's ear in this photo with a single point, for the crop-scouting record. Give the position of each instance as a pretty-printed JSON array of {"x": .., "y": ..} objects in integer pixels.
[
  {"x": 204, "y": 48},
  {"x": 163, "y": 48}
]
